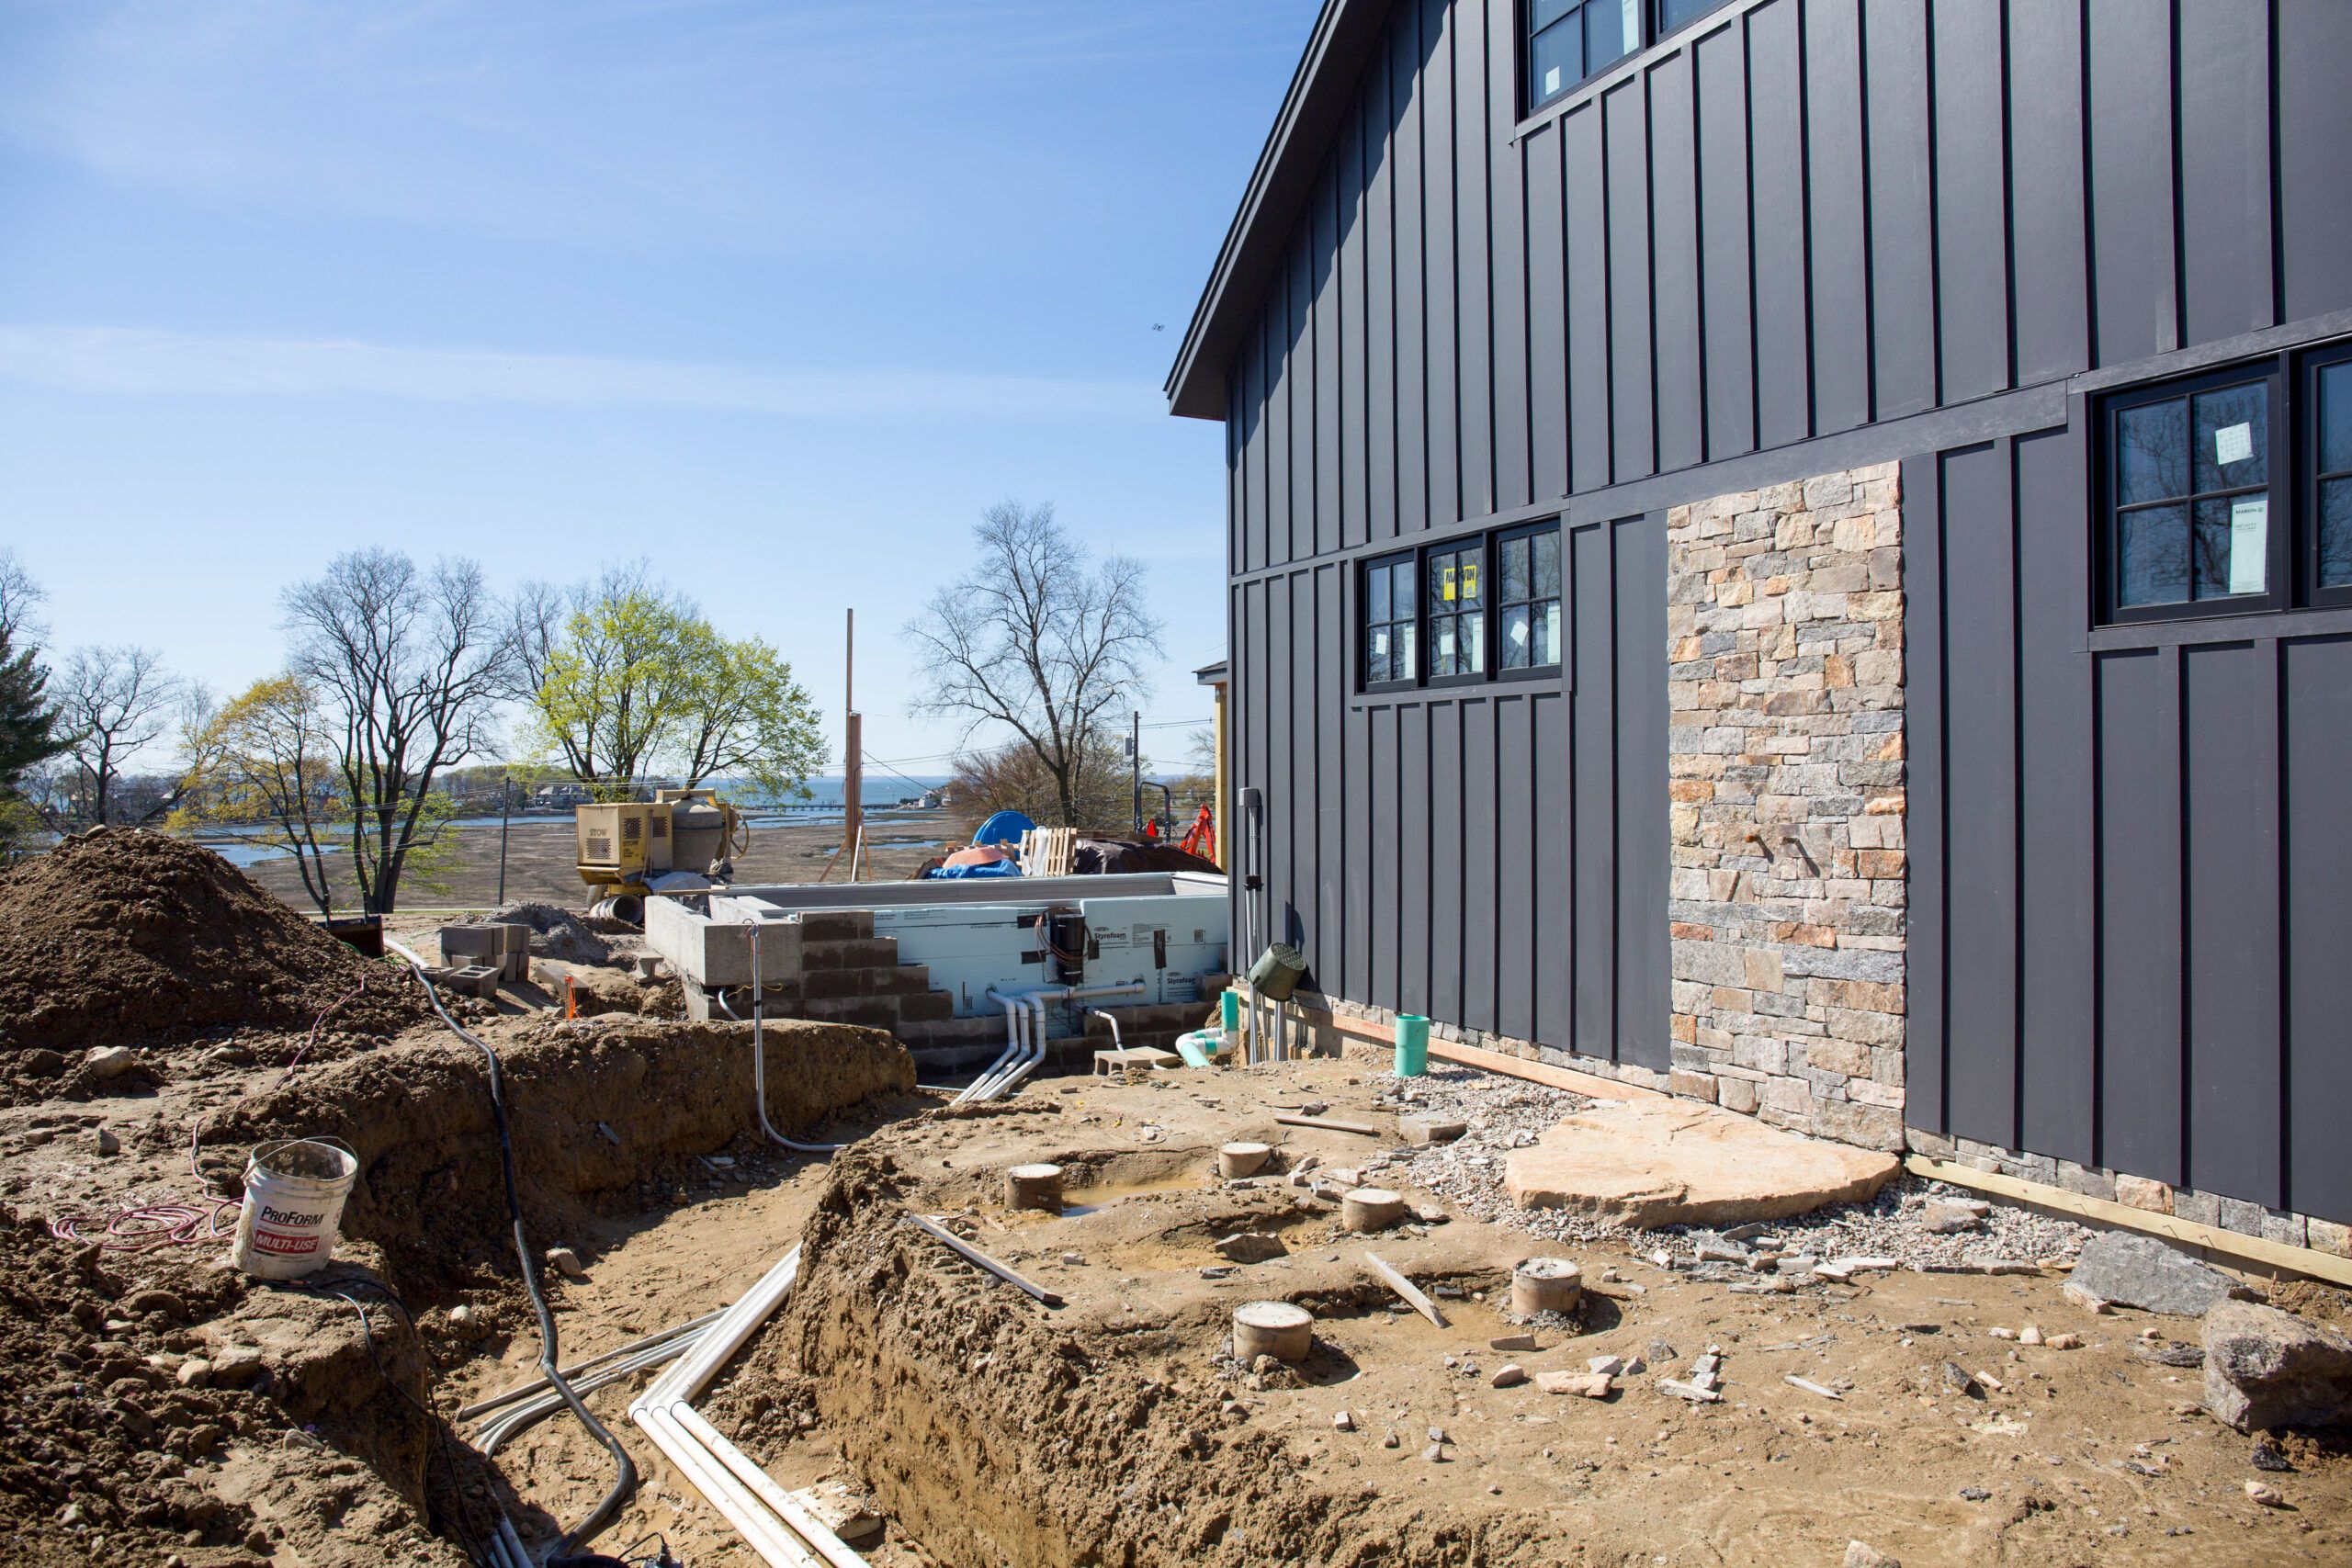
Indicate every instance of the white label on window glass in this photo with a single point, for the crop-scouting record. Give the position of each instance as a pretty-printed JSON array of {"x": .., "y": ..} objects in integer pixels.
[
  {"x": 1633, "y": 21},
  {"x": 1444, "y": 646},
  {"x": 1550, "y": 81},
  {"x": 1380, "y": 644},
  {"x": 1519, "y": 633},
  {"x": 2233, "y": 444},
  {"x": 2249, "y": 543}
]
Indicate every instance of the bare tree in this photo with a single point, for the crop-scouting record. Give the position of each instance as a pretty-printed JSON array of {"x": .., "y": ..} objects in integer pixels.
[
  {"x": 114, "y": 700},
  {"x": 1039, "y": 638},
  {"x": 409, "y": 665},
  {"x": 21, "y": 598}
]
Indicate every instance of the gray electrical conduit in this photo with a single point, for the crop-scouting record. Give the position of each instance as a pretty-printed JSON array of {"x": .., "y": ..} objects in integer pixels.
[{"x": 624, "y": 1476}]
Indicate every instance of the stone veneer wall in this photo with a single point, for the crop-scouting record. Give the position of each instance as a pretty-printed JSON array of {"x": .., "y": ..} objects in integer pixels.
[{"x": 1785, "y": 611}]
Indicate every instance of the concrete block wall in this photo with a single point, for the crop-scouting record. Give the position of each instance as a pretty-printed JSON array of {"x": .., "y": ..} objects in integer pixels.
[{"x": 1785, "y": 769}]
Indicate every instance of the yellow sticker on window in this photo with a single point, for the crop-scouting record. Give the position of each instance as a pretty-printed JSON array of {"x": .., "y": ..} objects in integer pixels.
[
  {"x": 1469, "y": 583},
  {"x": 1445, "y": 585}
]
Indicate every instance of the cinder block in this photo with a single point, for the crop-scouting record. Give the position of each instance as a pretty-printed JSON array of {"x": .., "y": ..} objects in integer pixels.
[
  {"x": 873, "y": 1012},
  {"x": 926, "y": 1006},
  {"x": 837, "y": 925},
  {"x": 895, "y": 981},
  {"x": 864, "y": 952},
  {"x": 463, "y": 945}
]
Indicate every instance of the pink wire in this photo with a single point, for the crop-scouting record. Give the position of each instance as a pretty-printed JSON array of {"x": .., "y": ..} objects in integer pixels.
[{"x": 145, "y": 1226}]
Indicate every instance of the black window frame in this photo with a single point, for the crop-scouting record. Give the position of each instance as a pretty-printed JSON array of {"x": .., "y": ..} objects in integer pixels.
[
  {"x": 2308, "y": 478},
  {"x": 1489, "y": 543},
  {"x": 1502, "y": 604},
  {"x": 1411, "y": 562},
  {"x": 1457, "y": 547},
  {"x": 1651, "y": 28},
  {"x": 2290, "y": 378}
]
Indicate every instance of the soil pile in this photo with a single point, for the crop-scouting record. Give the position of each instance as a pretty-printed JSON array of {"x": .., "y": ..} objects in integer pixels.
[
  {"x": 593, "y": 1108},
  {"x": 110, "y": 1456},
  {"x": 120, "y": 937},
  {"x": 555, "y": 933}
]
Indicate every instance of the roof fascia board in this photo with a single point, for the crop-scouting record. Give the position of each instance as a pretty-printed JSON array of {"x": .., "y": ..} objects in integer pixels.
[{"x": 1345, "y": 36}]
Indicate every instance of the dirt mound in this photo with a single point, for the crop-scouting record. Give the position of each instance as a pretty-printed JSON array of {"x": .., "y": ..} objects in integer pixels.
[
  {"x": 119, "y": 936},
  {"x": 593, "y": 1106},
  {"x": 110, "y": 1456},
  {"x": 555, "y": 933}
]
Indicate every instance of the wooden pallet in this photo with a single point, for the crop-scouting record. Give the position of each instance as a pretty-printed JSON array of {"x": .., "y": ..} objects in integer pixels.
[{"x": 1049, "y": 852}]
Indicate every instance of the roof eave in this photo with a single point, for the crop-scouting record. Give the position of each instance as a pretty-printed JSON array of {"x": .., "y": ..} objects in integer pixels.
[{"x": 1345, "y": 36}]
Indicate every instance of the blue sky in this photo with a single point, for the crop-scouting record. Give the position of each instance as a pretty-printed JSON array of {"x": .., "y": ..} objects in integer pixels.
[{"x": 780, "y": 295}]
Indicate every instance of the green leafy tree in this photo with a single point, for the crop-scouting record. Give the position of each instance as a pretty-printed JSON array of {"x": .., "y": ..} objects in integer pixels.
[
  {"x": 262, "y": 767},
  {"x": 630, "y": 679}
]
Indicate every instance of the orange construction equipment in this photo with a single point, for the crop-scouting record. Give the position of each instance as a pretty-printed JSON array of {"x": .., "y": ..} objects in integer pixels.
[{"x": 1200, "y": 838}]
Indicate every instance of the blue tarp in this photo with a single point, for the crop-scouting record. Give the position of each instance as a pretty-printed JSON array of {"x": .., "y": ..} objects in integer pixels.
[{"x": 961, "y": 872}]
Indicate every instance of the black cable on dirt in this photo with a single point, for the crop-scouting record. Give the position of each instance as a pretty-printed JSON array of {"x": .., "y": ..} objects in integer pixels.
[{"x": 625, "y": 1480}]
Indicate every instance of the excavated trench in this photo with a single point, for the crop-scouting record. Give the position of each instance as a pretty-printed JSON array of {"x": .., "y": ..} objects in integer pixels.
[
  {"x": 994, "y": 1429},
  {"x": 607, "y": 1119}
]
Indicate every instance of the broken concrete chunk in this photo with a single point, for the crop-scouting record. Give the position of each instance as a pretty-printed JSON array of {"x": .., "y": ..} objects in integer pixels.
[
  {"x": 1607, "y": 1366},
  {"x": 1691, "y": 1391},
  {"x": 1510, "y": 1376},
  {"x": 2268, "y": 1496},
  {"x": 104, "y": 1142},
  {"x": 1425, "y": 1130},
  {"x": 1860, "y": 1554},
  {"x": 842, "y": 1512},
  {"x": 1949, "y": 1218},
  {"x": 2137, "y": 1270},
  {"x": 566, "y": 1262},
  {"x": 1342, "y": 1422},
  {"x": 1587, "y": 1385},
  {"x": 1513, "y": 1342},
  {"x": 1251, "y": 1246},
  {"x": 2265, "y": 1368}
]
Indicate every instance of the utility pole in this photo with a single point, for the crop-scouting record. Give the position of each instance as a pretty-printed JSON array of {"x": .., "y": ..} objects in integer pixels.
[
  {"x": 1134, "y": 771},
  {"x": 852, "y": 757}
]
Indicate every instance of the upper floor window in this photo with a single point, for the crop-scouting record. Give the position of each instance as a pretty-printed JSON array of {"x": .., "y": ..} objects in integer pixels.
[
  {"x": 1457, "y": 609},
  {"x": 1464, "y": 610},
  {"x": 1389, "y": 621},
  {"x": 2228, "y": 492},
  {"x": 1571, "y": 41},
  {"x": 1529, "y": 598}
]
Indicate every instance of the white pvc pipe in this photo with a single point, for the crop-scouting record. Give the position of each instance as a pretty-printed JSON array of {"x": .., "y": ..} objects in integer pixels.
[
  {"x": 797, "y": 1520},
  {"x": 1014, "y": 1044},
  {"x": 708, "y": 1460},
  {"x": 686, "y": 1377},
  {"x": 760, "y": 1529}
]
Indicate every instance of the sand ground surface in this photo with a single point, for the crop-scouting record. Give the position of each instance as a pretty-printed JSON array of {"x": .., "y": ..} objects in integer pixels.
[{"x": 163, "y": 1408}]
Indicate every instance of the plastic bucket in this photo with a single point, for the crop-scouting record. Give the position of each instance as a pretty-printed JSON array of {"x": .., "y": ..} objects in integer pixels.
[
  {"x": 1412, "y": 1046},
  {"x": 294, "y": 1197}
]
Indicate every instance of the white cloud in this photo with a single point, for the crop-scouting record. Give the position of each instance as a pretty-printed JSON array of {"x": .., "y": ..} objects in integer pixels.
[{"x": 134, "y": 361}]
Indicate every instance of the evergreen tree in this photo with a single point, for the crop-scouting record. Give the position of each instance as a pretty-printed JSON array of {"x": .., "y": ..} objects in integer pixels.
[{"x": 27, "y": 727}]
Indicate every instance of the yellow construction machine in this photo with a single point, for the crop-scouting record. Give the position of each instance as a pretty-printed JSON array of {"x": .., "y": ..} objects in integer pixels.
[{"x": 627, "y": 845}]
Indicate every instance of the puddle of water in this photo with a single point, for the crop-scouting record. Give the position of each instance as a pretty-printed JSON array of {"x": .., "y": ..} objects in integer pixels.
[{"x": 1094, "y": 1199}]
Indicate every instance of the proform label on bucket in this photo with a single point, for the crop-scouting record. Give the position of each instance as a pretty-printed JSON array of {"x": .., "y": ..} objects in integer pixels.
[{"x": 294, "y": 1197}]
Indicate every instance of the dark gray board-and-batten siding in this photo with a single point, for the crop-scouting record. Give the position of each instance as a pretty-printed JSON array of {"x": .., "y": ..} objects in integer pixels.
[{"x": 1793, "y": 221}]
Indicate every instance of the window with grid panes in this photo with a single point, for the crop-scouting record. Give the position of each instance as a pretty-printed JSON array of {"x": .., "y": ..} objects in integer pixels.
[
  {"x": 1390, "y": 618},
  {"x": 1455, "y": 604},
  {"x": 1527, "y": 598}
]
